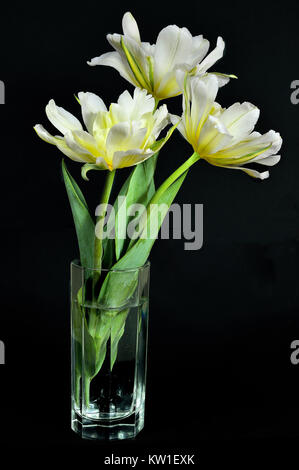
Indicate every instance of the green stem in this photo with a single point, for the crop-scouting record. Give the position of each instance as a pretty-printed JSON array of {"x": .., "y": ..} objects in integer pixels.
[
  {"x": 173, "y": 177},
  {"x": 164, "y": 186},
  {"x": 98, "y": 246},
  {"x": 156, "y": 104},
  {"x": 77, "y": 389},
  {"x": 86, "y": 383}
]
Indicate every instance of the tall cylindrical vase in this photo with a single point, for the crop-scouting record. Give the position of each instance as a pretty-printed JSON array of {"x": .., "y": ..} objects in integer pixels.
[{"x": 109, "y": 323}]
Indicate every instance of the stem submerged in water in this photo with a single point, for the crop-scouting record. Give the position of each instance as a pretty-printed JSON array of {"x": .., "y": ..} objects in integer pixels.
[
  {"x": 86, "y": 384},
  {"x": 77, "y": 389}
]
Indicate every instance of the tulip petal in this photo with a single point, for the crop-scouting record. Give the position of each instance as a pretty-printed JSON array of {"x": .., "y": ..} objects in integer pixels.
[
  {"x": 134, "y": 108},
  {"x": 268, "y": 161},
  {"x": 200, "y": 47},
  {"x": 62, "y": 119},
  {"x": 254, "y": 147},
  {"x": 74, "y": 145},
  {"x": 133, "y": 58},
  {"x": 149, "y": 49},
  {"x": 144, "y": 101},
  {"x": 179, "y": 123},
  {"x": 247, "y": 148},
  {"x": 231, "y": 126},
  {"x": 45, "y": 135},
  {"x": 276, "y": 141},
  {"x": 127, "y": 61},
  {"x": 240, "y": 119},
  {"x": 123, "y": 136},
  {"x": 211, "y": 58},
  {"x": 171, "y": 49},
  {"x": 249, "y": 171},
  {"x": 114, "y": 59},
  {"x": 159, "y": 144},
  {"x": 161, "y": 120},
  {"x": 62, "y": 146},
  {"x": 202, "y": 93},
  {"x": 58, "y": 141},
  {"x": 91, "y": 104},
  {"x": 223, "y": 78},
  {"x": 130, "y": 27},
  {"x": 101, "y": 162},
  {"x": 168, "y": 87},
  {"x": 122, "y": 159},
  {"x": 137, "y": 60},
  {"x": 86, "y": 142},
  {"x": 118, "y": 135},
  {"x": 214, "y": 135}
]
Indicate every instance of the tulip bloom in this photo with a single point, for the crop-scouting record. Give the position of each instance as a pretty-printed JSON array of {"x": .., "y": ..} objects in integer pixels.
[
  {"x": 224, "y": 137},
  {"x": 121, "y": 137},
  {"x": 154, "y": 67}
]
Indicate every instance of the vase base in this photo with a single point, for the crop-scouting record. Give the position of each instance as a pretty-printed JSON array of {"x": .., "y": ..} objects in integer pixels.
[{"x": 113, "y": 430}]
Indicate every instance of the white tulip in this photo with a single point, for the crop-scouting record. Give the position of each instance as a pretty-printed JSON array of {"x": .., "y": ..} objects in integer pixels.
[
  {"x": 123, "y": 136},
  {"x": 154, "y": 67},
  {"x": 224, "y": 137}
]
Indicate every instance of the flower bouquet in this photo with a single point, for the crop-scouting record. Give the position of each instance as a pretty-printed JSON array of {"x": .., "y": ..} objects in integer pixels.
[{"x": 110, "y": 281}]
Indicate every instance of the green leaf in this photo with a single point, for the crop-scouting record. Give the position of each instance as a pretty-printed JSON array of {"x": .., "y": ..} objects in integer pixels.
[
  {"x": 84, "y": 224},
  {"x": 139, "y": 190},
  {"x": 139, "y": 253},
  {"x": 79, "y": 326},
  {"x": 139, "y": 187},
  {"x": 150, "y": 193},
  {"x": 101, "y": 337},
  {"x": 109, "y": 243},
  {"x": 111, "y": 323},
  {"x": 117, "y": 330},
  {"x": 119, "y": 286},
  {"x": 94, "y": 342}
]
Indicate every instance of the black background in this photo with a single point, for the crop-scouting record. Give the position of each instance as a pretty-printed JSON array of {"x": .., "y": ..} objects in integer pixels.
[{"x": 220, "y": 381}]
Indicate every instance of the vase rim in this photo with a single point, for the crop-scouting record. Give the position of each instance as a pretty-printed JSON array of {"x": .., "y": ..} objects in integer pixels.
[{"x": 77, "y": 263}]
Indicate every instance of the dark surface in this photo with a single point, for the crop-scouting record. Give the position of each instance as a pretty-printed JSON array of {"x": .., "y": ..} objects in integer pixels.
[{"x": 220, "y": 381}]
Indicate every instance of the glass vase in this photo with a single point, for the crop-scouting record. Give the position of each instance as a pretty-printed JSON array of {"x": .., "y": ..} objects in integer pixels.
[{"x": 109, "y": 323}]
